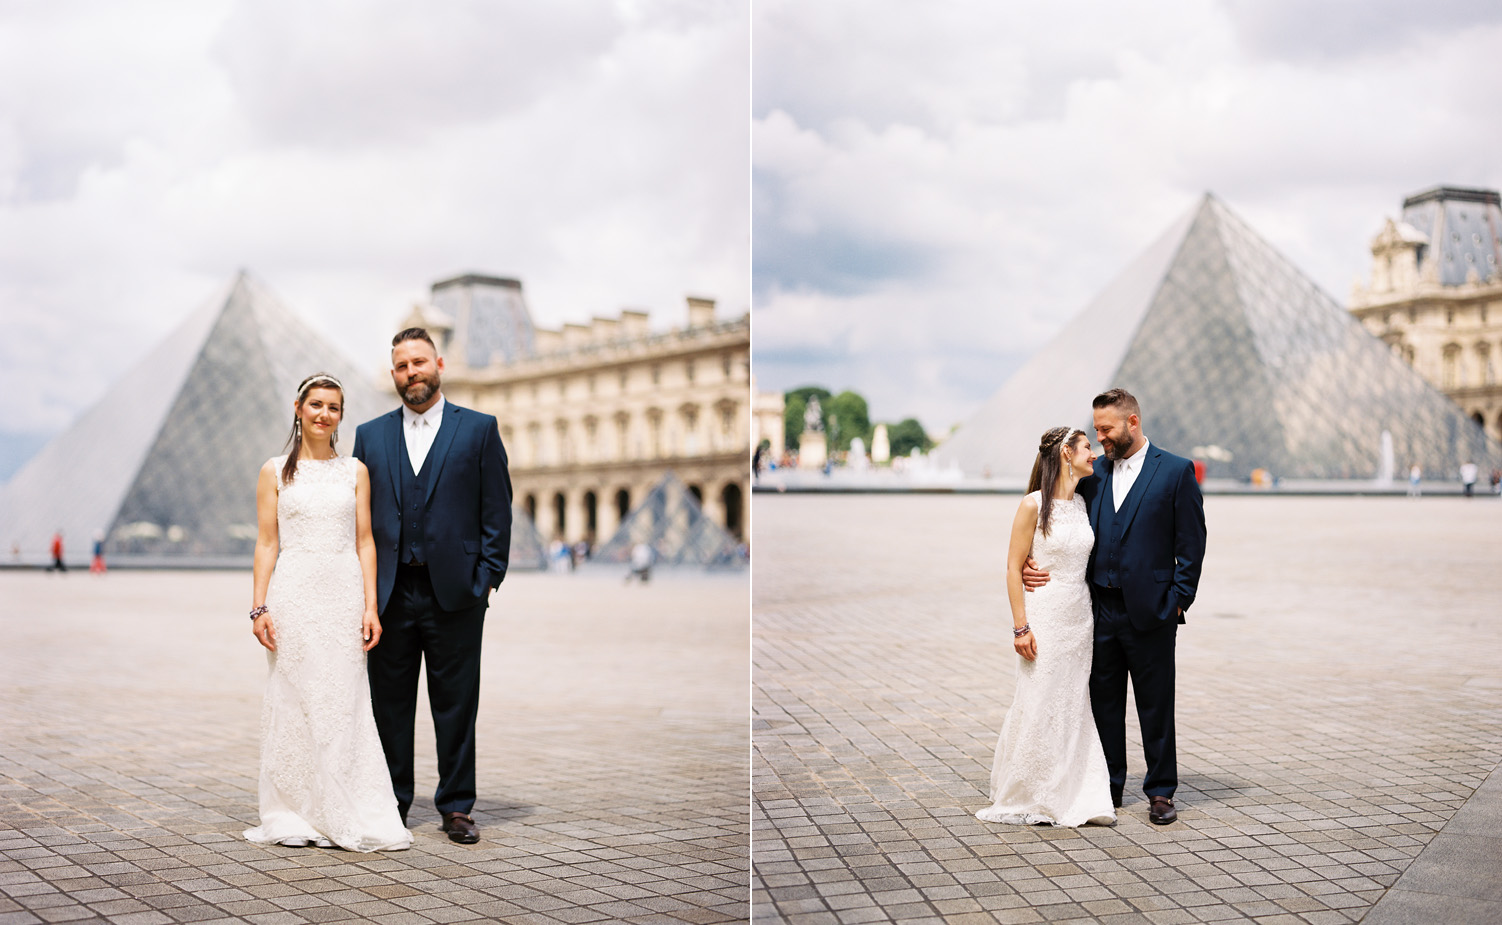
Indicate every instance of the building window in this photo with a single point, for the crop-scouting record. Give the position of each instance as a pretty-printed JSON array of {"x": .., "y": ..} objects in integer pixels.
[
  {"x": 622, "y": 429},
  {"x": 1451, "y": 369},
  {"x": 688, "y": 371},
  {"x": 654, "y": 431},
  {"x": 656, "y": 373},
  {"x": 625, "y": 377},
  {"x": 725, "y": 364},
  {"x": 591, "y": 383},
  {"x": 534, "y": 444}
]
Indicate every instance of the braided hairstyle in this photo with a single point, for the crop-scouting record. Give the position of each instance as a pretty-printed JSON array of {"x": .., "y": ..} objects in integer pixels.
[
  {"x": 294, "y": 440},
  {"x": 1046, "y": 469}
]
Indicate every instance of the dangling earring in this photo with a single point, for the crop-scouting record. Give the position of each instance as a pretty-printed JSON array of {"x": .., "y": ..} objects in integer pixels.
[{"x": 297, "y": 431}]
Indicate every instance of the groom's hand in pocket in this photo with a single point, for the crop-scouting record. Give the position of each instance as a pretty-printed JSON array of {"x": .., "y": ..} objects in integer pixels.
[{"x": 1033, "y": 577}]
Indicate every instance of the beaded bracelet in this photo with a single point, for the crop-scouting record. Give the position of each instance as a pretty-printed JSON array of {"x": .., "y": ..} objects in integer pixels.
[
  {"x": 1021, "y": 631},
  {"x": 258, "y": 611}
]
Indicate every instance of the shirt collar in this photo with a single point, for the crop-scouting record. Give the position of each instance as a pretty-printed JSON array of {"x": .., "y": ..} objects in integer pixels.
[
  {"x": 1132, "y": 461},
  {"x": 433, "y": 415}
]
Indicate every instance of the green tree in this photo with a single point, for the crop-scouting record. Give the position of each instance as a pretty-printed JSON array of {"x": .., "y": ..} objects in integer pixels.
[
  {"x": 849, "y": 419},
  {"x": 907, "y": 435},
  {"x": 795, "y": 403}
]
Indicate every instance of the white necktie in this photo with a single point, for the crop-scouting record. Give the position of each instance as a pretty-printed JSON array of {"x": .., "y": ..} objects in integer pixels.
[{"x": 418, "y": 444}]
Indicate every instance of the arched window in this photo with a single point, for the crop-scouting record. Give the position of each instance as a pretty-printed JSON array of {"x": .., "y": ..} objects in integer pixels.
[
  {"x": 560, "y": 522},
  {"x": 730, "y": 499},
  {"x": 591, "y": 515},
  {"x": 698, "y": 494},
  {"x": 622, "y": 504},
  {"x": 531, "y": 505}
]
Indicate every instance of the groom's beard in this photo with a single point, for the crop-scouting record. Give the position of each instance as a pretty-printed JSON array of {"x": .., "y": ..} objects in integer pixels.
[
  {"x": 419, "y": 389},
  {"x": 1114, "y": 450}
]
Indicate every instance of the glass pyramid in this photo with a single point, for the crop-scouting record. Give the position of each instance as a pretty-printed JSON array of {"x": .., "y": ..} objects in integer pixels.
[
  {"x": 670, "y": 521},
  {"x": 166, "y": 463},
  {"x": 1238, "y": 359}
]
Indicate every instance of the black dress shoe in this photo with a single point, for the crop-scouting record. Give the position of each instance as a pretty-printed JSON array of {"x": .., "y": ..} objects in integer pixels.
[
  {"x": 461, "y": 828},
  {"x": 1116, "y": 798},
  {"x": 1162, "y": 812},
  {"x": 402, "y": 811}
]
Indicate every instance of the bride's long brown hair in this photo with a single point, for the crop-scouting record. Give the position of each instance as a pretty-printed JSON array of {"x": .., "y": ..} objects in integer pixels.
[
  {"x": 294, "y": 440},
  {"x": 1046, "y": 469}
]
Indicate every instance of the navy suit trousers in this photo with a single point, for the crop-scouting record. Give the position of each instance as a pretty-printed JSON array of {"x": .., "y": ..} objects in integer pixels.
[
  {"x": 1122, "y": 651},
  {"x": 413, "y": 629}
]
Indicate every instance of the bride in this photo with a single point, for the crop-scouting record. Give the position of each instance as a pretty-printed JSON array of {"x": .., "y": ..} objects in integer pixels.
[
  {"x": 323, "y": 775},
  {"x": 1049, "y": 766}
]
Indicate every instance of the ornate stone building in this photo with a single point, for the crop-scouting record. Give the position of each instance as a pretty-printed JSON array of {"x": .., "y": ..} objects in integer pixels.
[
  {"x": 768, "y": 420},
  {"x": 1435, "y": 295},
  {"x": 593, "y": 415}
]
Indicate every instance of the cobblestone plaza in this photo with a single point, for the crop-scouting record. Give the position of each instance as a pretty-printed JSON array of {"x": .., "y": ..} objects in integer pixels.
[
  {"x": 1339, "y": 721},
  {"x": 612, "y": 760}
]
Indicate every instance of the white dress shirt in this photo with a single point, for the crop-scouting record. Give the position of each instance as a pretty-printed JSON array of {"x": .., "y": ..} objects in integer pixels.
[
  {"x": 1125, "y": 473},
  {"x": 421, "y": 429}
]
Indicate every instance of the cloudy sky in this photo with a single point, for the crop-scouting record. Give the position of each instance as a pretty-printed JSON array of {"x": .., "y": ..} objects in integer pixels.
[
  {"x": 351, "y": 153},
  {"x": 938, "y": 187}
]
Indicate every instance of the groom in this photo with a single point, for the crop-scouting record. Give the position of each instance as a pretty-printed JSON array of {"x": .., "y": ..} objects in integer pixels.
[
  {"x": 440, "y": 510},
  {"x": 1149, "y": 521}
]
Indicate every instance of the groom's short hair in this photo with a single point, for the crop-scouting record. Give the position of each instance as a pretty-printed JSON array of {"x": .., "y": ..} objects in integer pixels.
[
  {"x": 414, "y": 334},
  {"x": 1119, "y": 398}
]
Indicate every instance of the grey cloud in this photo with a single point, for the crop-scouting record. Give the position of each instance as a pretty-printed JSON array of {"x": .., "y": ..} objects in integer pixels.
[{"x": 1297, "y": 30}]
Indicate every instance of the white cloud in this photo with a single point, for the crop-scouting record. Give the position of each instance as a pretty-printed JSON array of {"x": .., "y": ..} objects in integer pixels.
[
  {"x": 945, "y": 190},
  {"x": 350, "y": 154}
]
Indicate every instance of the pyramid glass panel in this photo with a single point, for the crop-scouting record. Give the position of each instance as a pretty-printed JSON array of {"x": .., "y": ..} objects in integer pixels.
[{"x": 1238, "y": 359}]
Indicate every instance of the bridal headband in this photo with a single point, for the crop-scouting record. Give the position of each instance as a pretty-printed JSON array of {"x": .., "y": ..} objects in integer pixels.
[{"x": 318, "y": 378}]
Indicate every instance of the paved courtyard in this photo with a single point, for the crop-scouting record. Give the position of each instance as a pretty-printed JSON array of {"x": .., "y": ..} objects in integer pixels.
[
  {"x": 612, "y": 760},
  {"x": 1339, "y": 704}
]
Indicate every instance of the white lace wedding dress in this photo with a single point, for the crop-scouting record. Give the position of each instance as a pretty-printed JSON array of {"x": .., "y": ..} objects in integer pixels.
[
  {"x": 1049, "y": 766},
  {"x": 323, "y": 774}
]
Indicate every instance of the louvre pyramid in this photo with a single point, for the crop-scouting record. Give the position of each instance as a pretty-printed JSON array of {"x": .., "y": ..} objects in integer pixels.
[
  {"x": 527, "y": 548},
  {"x": 165, "y": 464},
  {"x": 670, "y": 521},
  {"x": 1237, "y": 358}
]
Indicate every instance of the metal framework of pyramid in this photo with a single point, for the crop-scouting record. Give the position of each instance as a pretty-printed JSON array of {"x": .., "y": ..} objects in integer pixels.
[
  {"x": 1238, "y": 359},
  {"x": 166, "y": 463},
  {"x": 670, "y": 520},
  {"x": 528, "y": 551}
]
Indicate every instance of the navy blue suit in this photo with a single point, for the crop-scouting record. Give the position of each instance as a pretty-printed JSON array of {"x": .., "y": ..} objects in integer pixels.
[
  {"x": 442, "y": 536},
  {"x": 1143, "y": 575}
]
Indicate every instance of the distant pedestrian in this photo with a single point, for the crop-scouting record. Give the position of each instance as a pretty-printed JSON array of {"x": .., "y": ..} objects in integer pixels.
[
  {"x": 96, "y": 565},
  {"x": 1468, "y": 478},
  {"x": 1496, "y": 481},
  {"x": 642, "y": 557},
  {"x": 57, "y": 553},
  {"x": 1415, "y": 477}
]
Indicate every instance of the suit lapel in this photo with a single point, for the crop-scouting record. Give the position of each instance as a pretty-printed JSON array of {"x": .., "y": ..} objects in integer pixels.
[
  {"x": 441, "y": 444},
  {"x": 394, "y": 454},
  {"x": 1130, "y": 503},
  {"x": 1101, "y": 495}
]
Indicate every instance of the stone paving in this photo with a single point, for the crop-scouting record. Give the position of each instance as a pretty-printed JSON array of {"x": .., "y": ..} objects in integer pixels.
[
  {"x": 612, "y": 760},
  {"x": 1339, "y": 700}
]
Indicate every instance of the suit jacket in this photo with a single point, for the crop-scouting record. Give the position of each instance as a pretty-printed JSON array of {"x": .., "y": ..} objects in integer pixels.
[
  {"x": 1163, "y": 535},
  {"x": 468, "y": 503}
]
